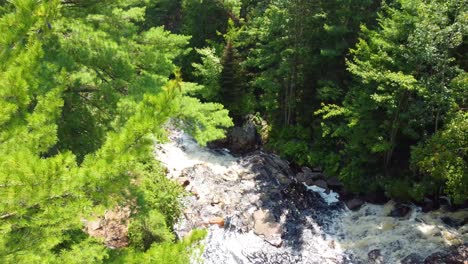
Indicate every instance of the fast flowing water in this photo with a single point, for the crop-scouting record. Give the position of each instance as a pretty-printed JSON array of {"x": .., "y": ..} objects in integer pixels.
[{"x": 305, "y": 224}]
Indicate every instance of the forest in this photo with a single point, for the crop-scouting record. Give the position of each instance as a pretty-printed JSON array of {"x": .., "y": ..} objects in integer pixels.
[{"x": 373, "y": 92}]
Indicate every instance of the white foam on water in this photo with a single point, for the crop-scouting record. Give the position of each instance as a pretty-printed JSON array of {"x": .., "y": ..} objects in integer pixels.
[
  {"x": 182, "y": 152},
  {"x": 330, "y": 197}
]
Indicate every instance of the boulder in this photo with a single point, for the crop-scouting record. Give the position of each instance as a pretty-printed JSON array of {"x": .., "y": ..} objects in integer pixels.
[
  {"x": 243, "y": 139},
  {"x": 354, "y": 204},
  {"x": 400, "y": 210},
  {"x": 428, "y": 205},
  {"x": 266, "y": 226}
]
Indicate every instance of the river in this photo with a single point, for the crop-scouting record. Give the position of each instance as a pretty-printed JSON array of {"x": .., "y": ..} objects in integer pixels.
[{"x": 256, "y": 212}]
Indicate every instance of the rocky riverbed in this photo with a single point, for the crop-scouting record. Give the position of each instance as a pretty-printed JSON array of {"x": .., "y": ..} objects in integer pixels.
[{"x": 257, "y": 210}]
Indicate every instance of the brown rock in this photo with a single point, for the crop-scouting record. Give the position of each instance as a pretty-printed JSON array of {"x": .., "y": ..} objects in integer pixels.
[
  {"x": 217, "y": 221},
  {"x": 265, "y": 225}
]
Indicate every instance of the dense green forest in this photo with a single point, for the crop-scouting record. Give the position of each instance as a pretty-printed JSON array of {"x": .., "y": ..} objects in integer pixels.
[{"x": 374, "y": 92}]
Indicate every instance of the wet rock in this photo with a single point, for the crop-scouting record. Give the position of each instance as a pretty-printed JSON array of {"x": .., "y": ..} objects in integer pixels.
[
  {"x": 301, "y": 177},
  {"x": 375, "y": 257},
  {"x": 451, "y": 222},
  {"x": 455, "y": 255},
  {"x": 308, "y": 176},
  {"x": 413, "y": 259},
  {"x": 283, "y": 179},
  {"x": 354, "y": 204},
  {"x": 334, "y": 183},
  {"x": 400, "y": 210},
  {"x": 428, "y": 205},
  {"x": 266, "y": 226}
]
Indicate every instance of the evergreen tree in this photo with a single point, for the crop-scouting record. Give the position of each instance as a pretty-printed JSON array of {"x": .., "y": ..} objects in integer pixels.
[
  {"x": 402, "y": 92},
  {"x": 83, "y": 93}
]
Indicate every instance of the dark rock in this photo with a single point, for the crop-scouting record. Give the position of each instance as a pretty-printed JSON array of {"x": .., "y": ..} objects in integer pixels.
[
  {"x": 375, "y": 256},
  {"x": 376, "y": 198},
  {"x": 354, "y": 204},
  {"x": 413, "y": 259},
  {"x": 334, "y": 183},
  {"x": 446, "y": 204},
  {"x": 345, "y": 195},
  {"x": 283, "y": 179},
  {"x": 450, "y": 222},
  {"x": 400, "y": 210},
  {"x": 428, "y": 205},
  {"x": 239, "y": 139},
  {"x": 242, "y": 139},
  {"x": 301, "y": 177},
  {"x": 321, "y": 183},
  {"x": 455, "y": 255}
]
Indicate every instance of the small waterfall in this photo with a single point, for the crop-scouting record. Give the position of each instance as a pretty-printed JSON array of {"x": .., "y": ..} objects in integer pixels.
[{"x": 256, "y": 213}]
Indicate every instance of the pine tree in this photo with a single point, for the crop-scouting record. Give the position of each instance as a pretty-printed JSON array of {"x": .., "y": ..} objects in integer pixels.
[{"x": 84, "y": 92}]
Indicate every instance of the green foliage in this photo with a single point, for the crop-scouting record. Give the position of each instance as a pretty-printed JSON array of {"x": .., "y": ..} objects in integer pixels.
[
  {"x": 233, "y": 94},
  {"x": 149, "y": 229},
  {"x": 178, "y": 253},
  {"x": 209, "y": 72},
  {"x": 404, "y": 90},
  {"x": 444, "y": 157},
  {"x": 292, "y": 144}
]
